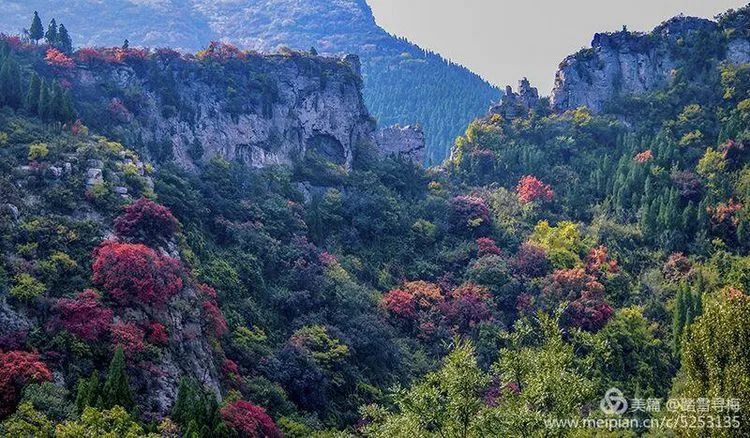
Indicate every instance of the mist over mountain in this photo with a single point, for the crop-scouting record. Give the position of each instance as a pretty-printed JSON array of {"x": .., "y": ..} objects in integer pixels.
[{"x": 404, "y": 84}]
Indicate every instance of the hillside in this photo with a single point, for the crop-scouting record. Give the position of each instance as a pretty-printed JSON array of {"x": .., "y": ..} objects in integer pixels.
[
  {"x": 403, "y": 83},
  {"x": 559, "y": 258}
]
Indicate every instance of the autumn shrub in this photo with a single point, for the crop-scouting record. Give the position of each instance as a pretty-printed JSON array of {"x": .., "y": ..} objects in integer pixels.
[
  {"x": 136, "y": 274},
  {"x": 468, "y": 305},
  {"x": 470, "y": 213},
  {"x": 129, "y": 337},
  {"x": 83, "y": 316},
  {"x": 249, "y": 421},
  {"x": 531, "y": 189},
  {"x": 18, "y": 369},
  {"x": 146, "y": 221}
]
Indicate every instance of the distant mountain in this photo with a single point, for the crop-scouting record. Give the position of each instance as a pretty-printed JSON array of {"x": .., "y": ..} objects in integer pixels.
[{"x": 403, "y": 83}]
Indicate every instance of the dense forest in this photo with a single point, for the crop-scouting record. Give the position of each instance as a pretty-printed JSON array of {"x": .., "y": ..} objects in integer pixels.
[{"x": 556, "y": 256}]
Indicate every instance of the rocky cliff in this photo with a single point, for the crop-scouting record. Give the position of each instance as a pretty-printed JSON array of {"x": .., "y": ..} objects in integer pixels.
[
  {"x": 622, "y": 63},
  {"x": 260, "y": 110},
  {"x": 403, "y": 141}
]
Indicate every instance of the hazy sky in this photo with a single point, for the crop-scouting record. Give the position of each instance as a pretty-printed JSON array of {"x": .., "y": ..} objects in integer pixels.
[{"x": 503, "y": 40}]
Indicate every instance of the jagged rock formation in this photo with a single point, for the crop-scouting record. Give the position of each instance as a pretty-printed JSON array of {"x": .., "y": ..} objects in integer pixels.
[
  {"x": 622, "y": 63},
  {"x": 403, "y": 83},
  {"x": 513, "y": 105},
  {"x": 404, "y": 141},
  {"x": 263, "y": 110}
]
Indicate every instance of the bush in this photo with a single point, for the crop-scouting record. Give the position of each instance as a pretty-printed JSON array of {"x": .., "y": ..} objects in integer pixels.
[
  {"x": 27, "y": 288},
  {"x": 146, "y": 221},
  {"x": 83, "y": 315},
  {"x": 249, "y": 421},
  {"x": 136, "y": 274},
  {"x": 17, "y": 369}
]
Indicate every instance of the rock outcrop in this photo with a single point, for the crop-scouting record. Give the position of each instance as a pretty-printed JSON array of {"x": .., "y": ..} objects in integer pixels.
[
  {"x": 260, "y": 110},
  {"x": 404, "y": 141},
  {"x": 517, "y": 104},
  {"x": 625, "y": 62}
]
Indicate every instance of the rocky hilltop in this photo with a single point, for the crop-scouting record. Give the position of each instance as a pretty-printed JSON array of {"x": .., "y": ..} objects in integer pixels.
[
  {"x": 402, "y": 82},
  {"x": 259, "y": 110},
  {"x": 622, "y": 63}
]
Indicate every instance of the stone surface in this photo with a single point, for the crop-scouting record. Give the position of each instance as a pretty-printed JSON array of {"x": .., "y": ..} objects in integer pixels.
[
  {"x": 622, "y": 63},
  {"x": 517, "y": 104},
  {"x": 304, "y": 103},
  {"x": 404, "y": 141}
]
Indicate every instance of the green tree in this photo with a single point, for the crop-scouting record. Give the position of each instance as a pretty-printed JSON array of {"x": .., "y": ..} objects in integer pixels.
[
  {"x": 88, "y": 392},
  {"x": 27, "y": 422},
  {"x": 115, "y": 422},
  {"x": 445, "y": 403},
  {"x": 31, "y": 105},
  {"x": 51, "y": 35},
  {"x": 195, "y": 406},
  {"x": 36, "y": 31},
  {"x": 44, "y": 101},
  {"x": 11, "y": 93},
  {"x": 64, "y": 42},
  {"x": 116, "y": 391},
  {"x": 716, "y": 358}
]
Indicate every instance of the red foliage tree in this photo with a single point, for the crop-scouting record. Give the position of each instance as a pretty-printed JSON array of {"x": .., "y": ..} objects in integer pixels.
[
  {"x": 249, "y": 421},
  {"x": 157, "y": 333},
  {"x": 644, "y": 157},
  {"x": 215, "y": 323},
  {"x": 18, "y": 369},
  {"x": 413, "y": 297},
  {"x": 221, "y": 52},
  {"x": 59, "y": 60},
  {"x": 587, "y": 308},
  {"x": 599, "y": 262},
  {"x": 400, "y": 303},
  {"x": 487, "y": 246},
  {"x": 128, "y": 336},
  {"x": 136, "y": 274},
  {"x": 531, "y": 261},
  {"x": 468, "y": 306},
  {"x": 470, "y": 212},
  {"x": 146, "y": 221},
  {"x": 530, "y": 189},
  {"x": 677, "y": 267},
  {"x": 83, "y": 316}
]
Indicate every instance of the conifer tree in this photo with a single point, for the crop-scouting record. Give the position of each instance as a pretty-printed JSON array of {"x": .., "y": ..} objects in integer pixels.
[
  {"x": 10, "y": 84},
  {"x": 116, "y": 391},
  {"x": 36, "y": 31},
  {"x": 51, "y": 35},
  {"x": 44, "y": 101},
  {"x": 31, "y": 105},
  {"x": 64, "y": 43},
  {"x": 57, "y": 103},
  {"x": 89, "y": 392}
]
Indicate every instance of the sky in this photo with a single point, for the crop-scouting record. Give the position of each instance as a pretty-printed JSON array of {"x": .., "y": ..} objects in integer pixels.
[{"x": 505, "y": 40}]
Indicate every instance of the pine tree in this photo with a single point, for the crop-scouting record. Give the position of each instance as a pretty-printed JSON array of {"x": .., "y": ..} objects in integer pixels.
[
  {"x": 89, "y": 392},
  {"x": 679, "y": 315},
  {"x": 44, "y": 101},
  {"x": 32, "y": 96},
  {"x": 116, "y": 391},
  {"x": 51, "y": 35},
  {"x": 57, "y": 103},
  {"x": 36, "y": 31},
  {"x": 64, "y": 43},
  {"x": 10, "y": 84}
]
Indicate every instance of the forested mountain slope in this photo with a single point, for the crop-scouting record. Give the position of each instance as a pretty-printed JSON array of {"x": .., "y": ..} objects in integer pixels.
[
  {"x": 403, "y": 83},
  {"x": 557, "y": 255}
]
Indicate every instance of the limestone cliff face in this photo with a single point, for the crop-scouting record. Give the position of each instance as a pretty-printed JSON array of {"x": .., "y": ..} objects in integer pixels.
[
  {"x": 404, "y": 141},
  {"x": 624, "y": 62},
  {"x": 261, "y": 110}
]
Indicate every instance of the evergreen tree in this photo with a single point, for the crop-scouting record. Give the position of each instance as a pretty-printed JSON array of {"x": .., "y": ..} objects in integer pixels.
[
  {"x": 116, "y": 391},
  {"x": 679, "y": 315},
  {"x": 44, "y": 101},
  {"x": 31, "y": 105},
  {"x": 10, "y": 84},
  {"x": 64, "y": 43},
  {"x": 51, "y": 35},
  {"x": 36, "y": 31},
  {"x": 89, "y": 392}
]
